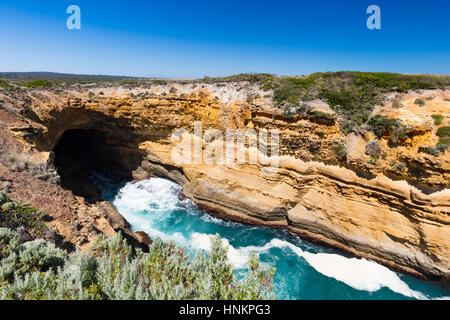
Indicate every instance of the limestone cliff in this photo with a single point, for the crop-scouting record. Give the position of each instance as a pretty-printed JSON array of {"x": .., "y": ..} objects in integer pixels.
[{"x": 393, "y": 208}]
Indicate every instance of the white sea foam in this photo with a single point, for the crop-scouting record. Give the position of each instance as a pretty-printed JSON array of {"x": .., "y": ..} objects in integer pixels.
[
  {"x": 139, "y": 196},
  {"x": 159, "y": 196},
  {"x": 360, "y": 274}
]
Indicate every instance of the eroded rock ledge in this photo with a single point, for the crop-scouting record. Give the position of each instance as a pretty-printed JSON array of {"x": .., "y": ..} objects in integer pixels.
[{"x": 349, "y": 204}]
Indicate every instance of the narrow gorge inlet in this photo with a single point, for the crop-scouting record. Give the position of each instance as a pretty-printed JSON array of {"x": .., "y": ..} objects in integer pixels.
[{"x": 304, "y": 270}]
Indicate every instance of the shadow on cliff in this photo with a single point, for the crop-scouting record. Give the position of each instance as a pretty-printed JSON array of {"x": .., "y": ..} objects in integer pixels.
[{"x": 80, "y": 152}]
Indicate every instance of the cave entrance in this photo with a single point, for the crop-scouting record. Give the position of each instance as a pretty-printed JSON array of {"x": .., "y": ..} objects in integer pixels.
[{"x": 78, "y": 154}]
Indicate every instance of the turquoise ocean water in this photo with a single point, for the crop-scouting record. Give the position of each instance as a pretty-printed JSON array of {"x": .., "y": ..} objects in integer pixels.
[{"x": 304, "y": 270}]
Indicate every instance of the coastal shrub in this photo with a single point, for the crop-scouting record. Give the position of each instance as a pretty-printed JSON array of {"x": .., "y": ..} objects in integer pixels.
[
  {"x": 24, "y": 259},
  {"x": 129, "y": 83},
  {"x": 444, "y": 141},
  {"x": 401, "y": 166},
  {"x": 442, "y": 146},
  {"x": 433, "y": 151},
  {"x": 252, "y": 78},
  {"x": 352, "y": 95},
  {"x": 321, "y": 115},
  {"x": 419, "y": 102},
  {"x": 5, "y": 85},
  {"x": 16, "y": 214},
  {"x": 39, "y": 84},
  {"x": 173, "y": 90},
  {"x": 400, "y": 82},
  {"x": 374, "y": 158},
  {"x": 443, "y": 131},
  {"x": 347, "y": 126},
  {"x": 159, "y": 82},
  {"x": 287, "y": 92},
  {"x": 399, "y": 133},
  {"x": 437, "y": 119},
  {"x": 381, "y": 125},
  {"x": 113, "y": 270},
  {"x": 341, "y": 151},
  {"x": 373, "y": 149}
]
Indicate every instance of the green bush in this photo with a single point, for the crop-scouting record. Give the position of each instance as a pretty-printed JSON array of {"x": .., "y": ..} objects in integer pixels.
[
  {"x": 442, "y": 146},
  {"x": 400, "y": 82},
  {"x": 437, "y": 118},
  {"x": 444, "y": 141},
  {"x": 39, "y": 84},
  {"x": 419, "y": 102},
  {"x": 381, "y": 125},
  {"x": 159, "y": 82},
  {"x": 112, "y": 270},
  {"x": 443, "y": 131},
  {"x": 16, "y": 214},
  {"x": 321, "y": 115},
  {"x": 401, "y": 166},
  {"x": 347, "y": 126},
  {"x": 399, "y": 133},
  {"x": 129, "y": 83},
  {"x": 173, "y": 90},
  {"x": 341, "y": 151},
  {"x": 5, "y": 85},
  {"x": 433, "y": 151}
]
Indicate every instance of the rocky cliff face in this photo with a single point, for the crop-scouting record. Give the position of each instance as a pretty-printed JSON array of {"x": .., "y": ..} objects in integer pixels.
[{"x": 368, "y": 195}]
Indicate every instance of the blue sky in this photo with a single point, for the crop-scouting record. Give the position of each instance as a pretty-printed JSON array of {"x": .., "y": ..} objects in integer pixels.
[{"x": 194, "y": 38}]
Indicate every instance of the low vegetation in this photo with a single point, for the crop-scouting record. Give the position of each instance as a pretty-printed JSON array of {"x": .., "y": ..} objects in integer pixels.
[
  {"x": 443, "y": 131},
  {"x": 437, "y": 119},
  {"x": 432, "y": 151},
  {"x": 373, "y": 150},
  {"x": 444, "y": 141},
  {"x": 444, "y": 138},
  {"x": 16, "y": 215},
  {"x": 113, "y": 270},
  {"x": 352, "y": 95},
  {"x": 341, "y": 151},
  {"x": 401, "y": 166},
  {"x": 39, "y": 84},
  {"x": 5, "y": 85},
  {"x": 420, "y": 102},
  {"x": 382, "y": 126}
]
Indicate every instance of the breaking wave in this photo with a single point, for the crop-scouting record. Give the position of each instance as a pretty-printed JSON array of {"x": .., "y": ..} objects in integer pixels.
[{"x": 150, "y": 205}]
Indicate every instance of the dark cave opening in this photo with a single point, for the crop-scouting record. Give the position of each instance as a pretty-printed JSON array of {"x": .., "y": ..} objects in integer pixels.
[{"x": 81, "y": 152}]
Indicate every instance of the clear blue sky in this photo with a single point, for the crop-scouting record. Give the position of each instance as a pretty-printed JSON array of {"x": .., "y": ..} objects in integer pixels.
[{"x": 194, "y": 38}]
